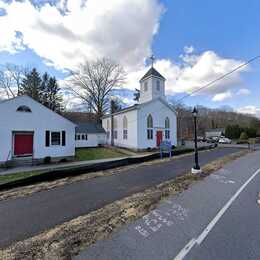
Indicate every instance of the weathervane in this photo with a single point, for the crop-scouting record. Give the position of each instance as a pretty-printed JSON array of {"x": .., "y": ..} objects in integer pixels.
[{"x": 152, "y": 58}]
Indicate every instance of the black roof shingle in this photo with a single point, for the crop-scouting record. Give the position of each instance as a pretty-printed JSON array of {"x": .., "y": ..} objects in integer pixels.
[{"x": 152, "y": 71}]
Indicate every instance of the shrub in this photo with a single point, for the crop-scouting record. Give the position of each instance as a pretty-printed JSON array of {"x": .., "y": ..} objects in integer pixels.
[
  {"x": 243, "y": 136},
  {"x": 63, "y": 160},
  {"x": 47, "y": 160}
]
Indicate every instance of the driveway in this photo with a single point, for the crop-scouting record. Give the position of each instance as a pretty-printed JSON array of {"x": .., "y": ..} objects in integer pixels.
[{"x": 25, "y": 217}]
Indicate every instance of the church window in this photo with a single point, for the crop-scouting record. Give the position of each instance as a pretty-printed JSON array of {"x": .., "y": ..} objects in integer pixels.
[
  {"x": 158, "y": 85},
  {"x": 145, "y": 86},
  {"x": 167, "y": 128},
  {"x": 150, "y": 127},
  {"x": 125, "y": 126},
  {"x": 115, "y": 128}
]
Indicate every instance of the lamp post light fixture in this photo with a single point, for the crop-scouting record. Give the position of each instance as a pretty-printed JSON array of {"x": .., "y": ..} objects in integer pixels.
[{"x": 196, "y": 169}]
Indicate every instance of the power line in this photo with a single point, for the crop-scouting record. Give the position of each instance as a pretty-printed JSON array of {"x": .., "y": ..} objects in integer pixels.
[
  {"x": 219, "y": 78},
  {"x": 211, "y": 83}
]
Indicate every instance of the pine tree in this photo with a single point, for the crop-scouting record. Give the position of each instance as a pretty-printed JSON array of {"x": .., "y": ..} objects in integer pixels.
[
  {"x": 31, "y": 85},
  {"x": 54, "y": 98}
]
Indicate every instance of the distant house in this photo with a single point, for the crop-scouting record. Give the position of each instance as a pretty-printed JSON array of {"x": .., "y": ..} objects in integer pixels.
[
  {"x": 30, "y": 131},
  {"x": 215, "y": 132},
  {"x": 89, "y": 133},
  {"x": 146, "y": 124}
]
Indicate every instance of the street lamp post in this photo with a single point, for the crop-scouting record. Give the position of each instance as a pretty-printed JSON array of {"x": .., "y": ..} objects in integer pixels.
[{"x": 196, "y": 169}]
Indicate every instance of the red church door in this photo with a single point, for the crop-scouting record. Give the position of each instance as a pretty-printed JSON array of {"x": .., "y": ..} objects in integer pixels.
[
  {"x": 23, "y": 144},
  {"x": 159, "y": 136}
]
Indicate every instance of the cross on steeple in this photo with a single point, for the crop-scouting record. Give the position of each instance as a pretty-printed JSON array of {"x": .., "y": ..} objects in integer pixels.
[{"x": 152, "y": 58}]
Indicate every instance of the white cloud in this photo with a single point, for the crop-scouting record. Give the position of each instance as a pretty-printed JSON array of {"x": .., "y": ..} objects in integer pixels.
[
  {"x": 243, "y": 92},
  {"x": 251, "y": 110},
  {"x": 222, "y": 96},
  {"x": 189, "y": 49},
  {"x": 194, "y": 72},
  {"x": 122, "y": 30}
]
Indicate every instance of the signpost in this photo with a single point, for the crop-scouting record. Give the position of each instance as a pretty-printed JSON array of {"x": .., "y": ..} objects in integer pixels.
[{"x": 165, "y": 147}]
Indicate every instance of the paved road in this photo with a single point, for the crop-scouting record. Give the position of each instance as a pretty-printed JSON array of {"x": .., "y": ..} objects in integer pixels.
[
  {"x": 24, "y": 217},
  {"x": 237, "y": 234},
  {"x": 175, "y": 227}
]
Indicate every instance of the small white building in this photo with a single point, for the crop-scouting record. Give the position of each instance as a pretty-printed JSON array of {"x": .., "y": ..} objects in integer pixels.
[
  {"x": 215, "y": 133},
  {"x": 90, "y": 135},
  {"x": 31, "y": 131},
  {"x": 148, "y": 123}
]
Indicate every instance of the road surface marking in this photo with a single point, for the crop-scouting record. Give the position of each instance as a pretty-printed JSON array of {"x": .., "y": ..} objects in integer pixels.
[
  {"x": 185, "y": 250},
  {"x": 214, "y": 221}
]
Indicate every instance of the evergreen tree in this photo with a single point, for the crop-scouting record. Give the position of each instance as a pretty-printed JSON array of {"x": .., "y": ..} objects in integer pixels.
[
  {"x": 43, "y": 89},
  {"x": 31, "y": 85},
  {"x": 53, "y": 97}
]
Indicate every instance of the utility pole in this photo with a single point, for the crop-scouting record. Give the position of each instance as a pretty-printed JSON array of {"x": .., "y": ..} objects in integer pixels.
[
  {"x": 196, "y": 169},
  {"x": 112, "y": 110}
]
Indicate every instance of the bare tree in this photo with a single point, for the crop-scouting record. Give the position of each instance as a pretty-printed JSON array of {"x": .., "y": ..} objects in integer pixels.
[
  {"x": 11, "y": 77},
  {"x": 94, "y": 81}
]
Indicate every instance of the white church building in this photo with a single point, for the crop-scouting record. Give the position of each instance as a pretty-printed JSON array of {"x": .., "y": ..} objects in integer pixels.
[{"x": 146, "y": 124}]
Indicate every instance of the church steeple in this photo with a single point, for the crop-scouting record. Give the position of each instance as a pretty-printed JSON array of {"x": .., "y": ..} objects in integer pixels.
[{"x": 152, "y": 85}]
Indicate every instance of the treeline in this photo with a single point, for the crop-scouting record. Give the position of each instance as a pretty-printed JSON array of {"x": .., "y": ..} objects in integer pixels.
[
  {"x": 237, "y": 132},
  {"x": 234, "y": 123},
  {"x": 16, "y": 80}
]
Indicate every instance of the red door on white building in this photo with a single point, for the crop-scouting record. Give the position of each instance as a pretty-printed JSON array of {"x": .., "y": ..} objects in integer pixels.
[
  {"x": 23, "y": 144},
  {"x": 159, "y": 137}
]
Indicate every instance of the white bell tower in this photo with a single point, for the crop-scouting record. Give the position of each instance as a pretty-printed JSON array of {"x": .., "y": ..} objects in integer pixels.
[{"x": 152, "y": 85}]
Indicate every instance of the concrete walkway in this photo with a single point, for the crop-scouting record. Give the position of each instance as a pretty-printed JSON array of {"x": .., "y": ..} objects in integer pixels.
[{"x": 61, "y": 165}]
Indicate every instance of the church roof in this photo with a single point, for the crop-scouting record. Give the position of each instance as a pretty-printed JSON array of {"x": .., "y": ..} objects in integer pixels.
[{"x": 152, "y": 72}]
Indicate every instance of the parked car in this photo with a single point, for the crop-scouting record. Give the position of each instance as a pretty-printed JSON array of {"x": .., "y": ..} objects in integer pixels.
[
  {"x": 212, "y": 140},
  {"x": 224, "y": 140}
]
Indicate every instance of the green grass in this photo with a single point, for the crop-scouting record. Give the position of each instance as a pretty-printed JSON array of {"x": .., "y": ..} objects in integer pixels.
[
  {"x": 85, "y": 154},
  {"x": 17, "y": 176}
]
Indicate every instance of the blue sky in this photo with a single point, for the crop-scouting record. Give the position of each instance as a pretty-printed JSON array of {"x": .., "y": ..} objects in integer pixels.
[{"x": 222, "y": 34}]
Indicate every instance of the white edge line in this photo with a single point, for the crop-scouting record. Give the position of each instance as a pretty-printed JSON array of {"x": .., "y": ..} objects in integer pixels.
[
  {"x": 214, "y": 221},
  {"x": 210, "y": 226},
  {"x": 185, "y": 250}
]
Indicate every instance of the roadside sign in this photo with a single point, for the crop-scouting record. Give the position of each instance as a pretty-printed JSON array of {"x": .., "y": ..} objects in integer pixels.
[{"x": 165, "y": 147}]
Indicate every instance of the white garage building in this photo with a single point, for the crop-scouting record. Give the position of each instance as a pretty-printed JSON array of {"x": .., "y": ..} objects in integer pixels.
[
  {"x": 29, "y": 130},
  {"x": 148, "y": 123},
  {"x": 90, "y": 135}
]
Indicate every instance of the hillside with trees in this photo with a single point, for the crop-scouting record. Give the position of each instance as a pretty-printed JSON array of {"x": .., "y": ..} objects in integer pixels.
[{"x": 234, "y": 123}]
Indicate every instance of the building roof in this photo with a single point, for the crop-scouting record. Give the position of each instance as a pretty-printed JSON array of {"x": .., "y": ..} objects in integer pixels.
[
  {"x": 80, "y": 117},
  {"x": 152, "y": 72},
  {"x": 90, "y": 128},
  {"x": 86, "y": 122},
  {"x": 3, "y": 101},
  {"x": 216, "y": 130},
  {"x": 133, "y": 107},
  {"x": 137, "y": 106}
]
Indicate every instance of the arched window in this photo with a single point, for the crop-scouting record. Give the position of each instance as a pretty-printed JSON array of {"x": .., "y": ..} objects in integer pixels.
[
  {"x": 150, "y": 127},
  {"x": 24, "y": 109},
  {"x": 167, "y": 123},
  {"x": 115, "y": 123},
  {"x": 167, "y": 128},
  {"x": 158, "y": 85},
  {"x": 149, "y": 121},
  {"x": 108, "y": 128},
  {"x": 115, "y": 128},
  {"x": 125, "y": 126}
]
